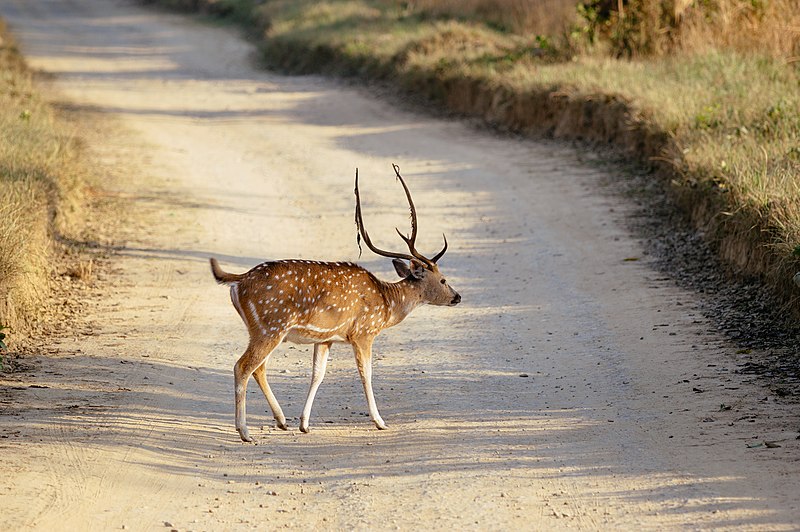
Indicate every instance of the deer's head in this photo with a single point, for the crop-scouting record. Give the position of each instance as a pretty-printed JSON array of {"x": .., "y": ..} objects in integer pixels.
[{"x": 420, "y": 270}]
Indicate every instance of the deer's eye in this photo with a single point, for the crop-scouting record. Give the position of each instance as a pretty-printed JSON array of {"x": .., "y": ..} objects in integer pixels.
[{"x": 443, "y": 281}]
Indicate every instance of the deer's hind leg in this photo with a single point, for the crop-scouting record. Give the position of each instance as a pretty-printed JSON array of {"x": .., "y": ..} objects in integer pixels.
[
  {"x": 255, "y": 356},
  {"x": 260, "y": 375}
]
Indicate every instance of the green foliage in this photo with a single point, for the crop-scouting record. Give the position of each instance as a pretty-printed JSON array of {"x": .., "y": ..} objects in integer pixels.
[
  {"x": 590, "y": 24},
  {"x": 708, "y": 117},
  {"x": 641, "y": 28},
  {"x": 3, "y": 346}
]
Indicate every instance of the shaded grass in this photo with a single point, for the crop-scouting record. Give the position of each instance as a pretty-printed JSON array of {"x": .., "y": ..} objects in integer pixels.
[
  {"x": 41, "y": 191},
  {"x": 721, "y": 123}
]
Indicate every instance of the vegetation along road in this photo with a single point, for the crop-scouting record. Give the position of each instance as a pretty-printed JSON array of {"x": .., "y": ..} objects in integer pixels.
[{"x": 573, "y": 387}]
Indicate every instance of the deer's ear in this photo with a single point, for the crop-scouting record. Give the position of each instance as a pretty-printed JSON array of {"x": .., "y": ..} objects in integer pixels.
[
  {"x": 417, "y": 269},
  {"x": 401, "y": 268}
]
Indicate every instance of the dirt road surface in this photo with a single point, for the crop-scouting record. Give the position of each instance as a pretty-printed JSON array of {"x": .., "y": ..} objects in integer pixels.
[{"x": 572, "y": 388}]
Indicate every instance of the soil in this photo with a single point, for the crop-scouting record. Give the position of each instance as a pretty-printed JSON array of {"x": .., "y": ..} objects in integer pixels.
[
  {"x": 743, "y": 308},
  {"x": 576, "y": 386}
]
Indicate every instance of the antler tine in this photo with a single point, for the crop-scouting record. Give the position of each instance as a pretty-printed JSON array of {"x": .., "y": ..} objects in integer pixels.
[
  {"x": 439, "y": 255},
  {"x": 365, "y": 235},
  {"x": 413, "y": 238},
  {"x": 411, "y": 241}
]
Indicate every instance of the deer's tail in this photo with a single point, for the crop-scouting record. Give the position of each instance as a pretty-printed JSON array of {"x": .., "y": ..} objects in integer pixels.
[{"x": 222, "y": 276}]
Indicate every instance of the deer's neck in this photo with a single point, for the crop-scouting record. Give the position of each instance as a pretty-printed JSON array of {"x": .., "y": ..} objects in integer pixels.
[{"x": 401, "y": 298}]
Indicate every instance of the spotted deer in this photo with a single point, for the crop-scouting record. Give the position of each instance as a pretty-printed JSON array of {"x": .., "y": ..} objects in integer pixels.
[{"x": 321, "y": 303}]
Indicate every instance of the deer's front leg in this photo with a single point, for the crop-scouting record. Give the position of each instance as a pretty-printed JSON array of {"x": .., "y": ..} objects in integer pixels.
[
  {"x": 363, "y": 351},
  {"x": 317, "y": 374}
]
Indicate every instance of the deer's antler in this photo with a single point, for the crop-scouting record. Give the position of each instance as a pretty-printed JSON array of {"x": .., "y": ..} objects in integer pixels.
[
  {"x": 409, "y": 240},
  {"x": 363, "y": 232}
]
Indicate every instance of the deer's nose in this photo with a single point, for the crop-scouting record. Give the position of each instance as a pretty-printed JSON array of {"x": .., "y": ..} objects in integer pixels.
[{"x": 456, "y": 300}]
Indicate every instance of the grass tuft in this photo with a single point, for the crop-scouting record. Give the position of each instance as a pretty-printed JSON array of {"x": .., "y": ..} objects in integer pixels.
[{"x": 41, "y": 196}]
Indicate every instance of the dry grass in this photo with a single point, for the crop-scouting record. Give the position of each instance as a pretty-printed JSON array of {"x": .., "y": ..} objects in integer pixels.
[
  {"x": 643, "y": 27},
  {"x": 532, "y": 17},
  {"x": 40, "y": 191},
  {"x": 770, "y": 27}
]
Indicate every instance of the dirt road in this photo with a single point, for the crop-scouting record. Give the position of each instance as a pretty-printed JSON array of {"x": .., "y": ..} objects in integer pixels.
[{"x": 572, "y": 388}]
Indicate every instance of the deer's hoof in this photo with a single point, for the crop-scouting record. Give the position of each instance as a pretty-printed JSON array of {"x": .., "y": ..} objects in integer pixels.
[
  {"x": 304, "y": 425},
  {"x": 381, "y": 425},
  {"x": 282, "y": 424},
  {"x": 245, "y": 436}
]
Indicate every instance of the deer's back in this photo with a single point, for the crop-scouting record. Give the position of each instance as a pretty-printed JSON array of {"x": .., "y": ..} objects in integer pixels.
[{"x": 310, "y": 301}]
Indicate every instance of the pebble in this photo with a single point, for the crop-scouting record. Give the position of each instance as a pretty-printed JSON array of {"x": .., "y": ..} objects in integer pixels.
[{"x": 743, "y": 310}]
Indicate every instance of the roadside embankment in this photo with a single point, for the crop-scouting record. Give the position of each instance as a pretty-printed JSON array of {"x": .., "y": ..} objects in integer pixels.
[
  {"x": 42, "y": 199},
  {"x": 719, "y": 125}
]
